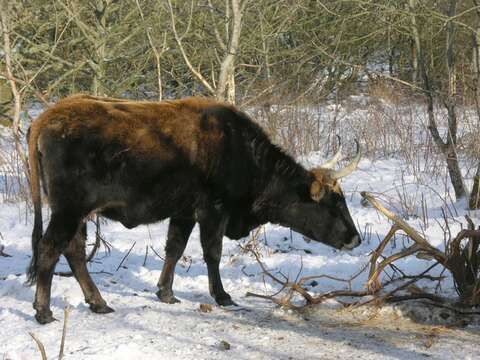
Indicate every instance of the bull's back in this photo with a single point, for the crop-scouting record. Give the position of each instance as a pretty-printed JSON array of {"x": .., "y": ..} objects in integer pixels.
[
  {"x": 167, "y": 129},
  {"x": 99, "y": 152}
]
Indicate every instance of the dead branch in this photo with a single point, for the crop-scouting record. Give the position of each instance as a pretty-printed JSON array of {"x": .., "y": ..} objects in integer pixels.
[
  {"x": 379, "y": 250},
  {"x": 99, "y": 239},
  {"x": 373, "y": 284},
  {"x": 40, "y": 346},
  {"x": 425, "y": 295},
  {"x": 279, "y": 302},
  {"x": 463, "y": 261},
  {"x": 156, "y": 253},
  {"x": 64, "y": 332},
  {"x": 126, "y": 255},
  {"x": 296, "y": 286},
  {"x": 178, "y": 39},
  {"x": 2, "y": 253},
  {"x": 411, "y": 232}
]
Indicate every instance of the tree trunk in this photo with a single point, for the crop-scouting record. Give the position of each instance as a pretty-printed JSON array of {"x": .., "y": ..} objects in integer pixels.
[
  {"x": 101, "y": 28},
  {"x": 448, "y": 147},
  {"x": 474, "y": 201},
  {"x": 226, "y": 78},
  {"x": 416, "y": 41},
  {"x": 157, "y": 53},
  {"x": 231, "y": 87},
  {"x": 414, "y": 64},
  {"x": 17, "y": 96},
  {"x": 451, "y": 148}
]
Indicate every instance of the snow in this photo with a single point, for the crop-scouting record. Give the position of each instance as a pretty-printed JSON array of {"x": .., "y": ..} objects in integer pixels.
[{"x": 143, "y": 327}]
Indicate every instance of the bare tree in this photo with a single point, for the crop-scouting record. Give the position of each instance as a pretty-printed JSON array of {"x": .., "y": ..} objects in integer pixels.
[
  {"x": 17, "y": 96},
  {"x": 157, "y": 51},
  {"x": 474, "y": 201},
  {"x": 448, "y": 147},
  {"x": 106, "y": 29},
  {"x": 224, "y": 88}
]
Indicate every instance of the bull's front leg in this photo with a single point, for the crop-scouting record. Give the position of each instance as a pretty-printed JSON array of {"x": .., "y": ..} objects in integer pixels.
[{"x": 212, "y": 229}]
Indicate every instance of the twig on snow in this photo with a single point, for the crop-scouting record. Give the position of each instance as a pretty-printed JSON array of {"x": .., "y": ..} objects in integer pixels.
[
  {"x": 64, "y": 332},
  {"x": 126, "y": 255},
  {"x": 40, "y": 346}
]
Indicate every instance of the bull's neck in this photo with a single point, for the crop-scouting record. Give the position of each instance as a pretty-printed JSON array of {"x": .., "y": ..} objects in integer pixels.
[
  {"x": 269, "y": 164},
  {"x": 270, "y": 160},
  {"x": 274, "y": 168}
]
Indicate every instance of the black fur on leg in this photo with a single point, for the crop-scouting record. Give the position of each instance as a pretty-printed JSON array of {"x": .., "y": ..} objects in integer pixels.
[{"x": 36, "y": 236}]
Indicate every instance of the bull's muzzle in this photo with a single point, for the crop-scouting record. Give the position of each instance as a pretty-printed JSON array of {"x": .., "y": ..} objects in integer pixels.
[{"x": 353, "y": 243}]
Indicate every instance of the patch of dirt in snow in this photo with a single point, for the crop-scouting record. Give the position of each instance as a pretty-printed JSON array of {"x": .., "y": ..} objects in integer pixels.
[{"x": 413, "y": 329}]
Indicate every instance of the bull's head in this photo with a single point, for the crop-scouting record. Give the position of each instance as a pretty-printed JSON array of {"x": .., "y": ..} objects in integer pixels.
[{"x": 318, "y": 209}]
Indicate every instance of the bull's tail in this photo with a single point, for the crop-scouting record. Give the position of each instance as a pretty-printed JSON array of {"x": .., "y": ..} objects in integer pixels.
[{"x": 32, "y": 138}]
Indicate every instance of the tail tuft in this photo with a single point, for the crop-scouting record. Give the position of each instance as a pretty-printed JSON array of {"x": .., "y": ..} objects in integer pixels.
[{"x": 36, "y": 236}]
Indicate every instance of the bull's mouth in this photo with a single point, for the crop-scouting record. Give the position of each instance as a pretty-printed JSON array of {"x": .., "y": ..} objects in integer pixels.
[{"x": 309, "y": 237}]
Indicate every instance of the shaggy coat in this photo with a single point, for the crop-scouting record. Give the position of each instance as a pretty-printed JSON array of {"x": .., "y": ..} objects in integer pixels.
[{"x": 190, "y": 160}]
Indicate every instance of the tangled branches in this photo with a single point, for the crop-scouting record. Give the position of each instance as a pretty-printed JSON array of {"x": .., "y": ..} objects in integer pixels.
[{"x": 461, "y": 258}]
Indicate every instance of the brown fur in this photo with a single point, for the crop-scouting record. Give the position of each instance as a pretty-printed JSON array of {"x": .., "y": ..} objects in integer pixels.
[
  {"x": 325, "y": 179},
  {"x": 129, "y": 123},
  {"x": 323, "y": 183}
]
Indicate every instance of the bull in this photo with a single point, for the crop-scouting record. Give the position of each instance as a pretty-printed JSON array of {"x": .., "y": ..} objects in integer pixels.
[{"x": 193, "y": 160}]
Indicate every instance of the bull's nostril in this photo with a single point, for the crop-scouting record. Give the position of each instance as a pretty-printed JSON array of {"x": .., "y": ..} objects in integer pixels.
[
  {"x": 356, "y": 239},
  {"x": 353, "y": 243}
]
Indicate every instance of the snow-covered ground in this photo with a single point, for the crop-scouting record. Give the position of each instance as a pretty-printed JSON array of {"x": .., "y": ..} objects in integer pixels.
[{"x": 144, "y": 328}]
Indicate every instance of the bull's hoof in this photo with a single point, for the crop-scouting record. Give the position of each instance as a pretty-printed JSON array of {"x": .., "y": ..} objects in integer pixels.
[
  {"x": 44, "y": 317},
  {"x": 167, "y": 297},
  {"x": 101, "y": 309},
  {"x": 225, "y": 301}
]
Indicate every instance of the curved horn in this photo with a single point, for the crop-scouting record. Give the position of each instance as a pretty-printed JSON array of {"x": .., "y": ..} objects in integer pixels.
[
  {"x": 347, "y": 170},
  {"x": 330, "y": 164}
]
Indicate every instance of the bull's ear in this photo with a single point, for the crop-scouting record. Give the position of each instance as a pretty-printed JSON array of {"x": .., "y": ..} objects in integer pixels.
[{"x": 317, "y": 191}]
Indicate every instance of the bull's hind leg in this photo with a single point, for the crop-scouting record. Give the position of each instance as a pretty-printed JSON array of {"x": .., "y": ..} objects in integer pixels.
[
  {"x": 75, "y": 254},
  {"x": 212, "y": 229},
  {"x": 60, "y": 231},
  {"x": 179, "y": 231}
]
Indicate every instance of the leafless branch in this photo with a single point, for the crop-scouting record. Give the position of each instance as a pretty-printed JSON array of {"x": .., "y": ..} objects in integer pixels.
[
  {"x": 64, "y": 332},
  {"x": 40, "y": 346},
  {"x": 126, "y": 255}
]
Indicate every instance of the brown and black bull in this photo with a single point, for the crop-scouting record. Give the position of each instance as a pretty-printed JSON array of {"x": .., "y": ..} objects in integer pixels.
[{"x": 193, "y": 160}]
